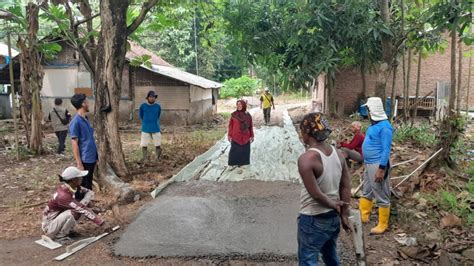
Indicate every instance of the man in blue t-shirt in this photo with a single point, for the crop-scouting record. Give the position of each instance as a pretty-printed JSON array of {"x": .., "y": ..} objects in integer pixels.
[
  {"x": 83, "y": 142},
  {"x": 376, "y": 150},
  {"x": 149, "y": 113}
]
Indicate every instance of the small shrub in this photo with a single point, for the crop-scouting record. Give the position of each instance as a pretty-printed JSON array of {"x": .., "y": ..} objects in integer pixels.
[
  {"x": 421, "y": 135},
  {"x": 459, "y": 205},
  {"x": 238, "y": 87}
]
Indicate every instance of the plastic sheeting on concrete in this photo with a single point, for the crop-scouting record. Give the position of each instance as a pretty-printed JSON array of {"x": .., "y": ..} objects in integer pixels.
[{"x": 274, "y": 157}]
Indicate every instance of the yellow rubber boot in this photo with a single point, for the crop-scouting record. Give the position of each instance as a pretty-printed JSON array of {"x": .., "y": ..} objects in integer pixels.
[
  {"x": 384, "y": 215},
  {"x": 365, "y": 207}
]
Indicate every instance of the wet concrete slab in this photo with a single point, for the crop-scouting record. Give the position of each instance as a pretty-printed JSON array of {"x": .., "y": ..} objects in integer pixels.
[{"x": 204, "y": 219}]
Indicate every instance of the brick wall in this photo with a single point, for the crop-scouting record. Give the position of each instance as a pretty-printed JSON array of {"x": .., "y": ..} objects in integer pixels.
[{"x": 434, "y": 68}]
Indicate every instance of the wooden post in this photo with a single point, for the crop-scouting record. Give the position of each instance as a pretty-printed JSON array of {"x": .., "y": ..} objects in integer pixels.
[
  {"x": 12, "y": 89},
  {"x": 357, "y": 236}
]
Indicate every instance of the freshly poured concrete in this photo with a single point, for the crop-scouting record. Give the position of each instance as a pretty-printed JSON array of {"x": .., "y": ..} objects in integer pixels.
[{"x": 201, "y": 218}]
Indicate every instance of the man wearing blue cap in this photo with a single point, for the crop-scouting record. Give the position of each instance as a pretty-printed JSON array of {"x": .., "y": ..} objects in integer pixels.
[{"x": 149, "y": 113}]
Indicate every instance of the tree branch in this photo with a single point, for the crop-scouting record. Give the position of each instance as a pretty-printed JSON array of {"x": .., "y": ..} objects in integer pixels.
[
  {"x": 138, "y": 20},
  {"x": 86, "y": 20}
]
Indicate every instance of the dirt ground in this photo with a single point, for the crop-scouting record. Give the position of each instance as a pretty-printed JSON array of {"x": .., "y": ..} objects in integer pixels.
[{"x": 25, "y": 186}]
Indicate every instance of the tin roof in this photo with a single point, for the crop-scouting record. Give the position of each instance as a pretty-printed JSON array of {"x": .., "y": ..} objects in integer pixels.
[{"x": 184, "y": 76}]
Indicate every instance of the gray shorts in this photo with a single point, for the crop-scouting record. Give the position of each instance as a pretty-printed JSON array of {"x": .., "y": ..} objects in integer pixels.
[{"x": 378, "y": 190}]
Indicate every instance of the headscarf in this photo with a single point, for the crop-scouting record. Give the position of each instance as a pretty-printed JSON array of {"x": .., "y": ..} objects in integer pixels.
[
  {"x": 242, "y": 116},
  {"x": 316, "y": 126}
]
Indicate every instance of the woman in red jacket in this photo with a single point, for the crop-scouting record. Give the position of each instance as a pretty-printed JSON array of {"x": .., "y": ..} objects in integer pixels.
[
  {"x": 353, "y": 150},
  {"x": 240, "y": 135}
]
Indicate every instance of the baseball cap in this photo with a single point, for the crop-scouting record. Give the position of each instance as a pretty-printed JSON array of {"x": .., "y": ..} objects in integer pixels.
[
  {"x": 151, "y": 94},
  {"x": 73, "y": 172},
  {"x": 266, "y": 89}
]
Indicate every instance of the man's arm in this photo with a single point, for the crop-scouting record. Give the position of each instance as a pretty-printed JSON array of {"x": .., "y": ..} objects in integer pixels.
[
  {"x": 75, "y": 132},
  {"x": 261, "y": 102},
  {"x": 76, "y": 153},
  {"x": 251, "y": 129},
  {"x": 273, "y": 103},
  {"x": 355, "y": 142},
  {"x": 306, "y": 166},
  {"x": 140, "y": 112},
  {"x": 344, "y": 186},
  {"x": 229, "y": 132},
  {"x": 386, "y": 140},
  {"x": 78, "y": 209}
]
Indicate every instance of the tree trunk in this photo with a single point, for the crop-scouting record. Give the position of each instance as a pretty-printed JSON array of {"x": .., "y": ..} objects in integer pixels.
[
  {"x": 31, "y": 81},
  {"x": 417, "y": 91},
  {"x": 468, "y": 84},
  {"x": 392, "y": 97},
  {"x": 331, "y": 98},
  {"x": 385, "y": 68},
  {"x": 109, "y": 65},
  {"x": 450, "y": 130},
  {"x": 458, "y": 100},
  {"x": 407, "y": 87},
  {"x": 364, "y": 81}
]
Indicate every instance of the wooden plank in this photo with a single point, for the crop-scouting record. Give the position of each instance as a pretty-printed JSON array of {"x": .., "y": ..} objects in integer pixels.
[
  {"x": 357, "y": 236},
  {"x": 86, "y": 91}
]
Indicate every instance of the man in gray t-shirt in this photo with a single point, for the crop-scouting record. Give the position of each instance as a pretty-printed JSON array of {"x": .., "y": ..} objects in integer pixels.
[{"x": 60, "y": 117}]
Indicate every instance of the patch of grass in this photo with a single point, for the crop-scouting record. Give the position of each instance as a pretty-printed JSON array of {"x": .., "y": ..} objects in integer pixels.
[
  {"x": 201, "y": 136},
  {"x": 421, "y": 135},
  {"x": 458, "y": 204},
  {"x": 225, "y": 115},
  {"x": 23, "y": 151}
]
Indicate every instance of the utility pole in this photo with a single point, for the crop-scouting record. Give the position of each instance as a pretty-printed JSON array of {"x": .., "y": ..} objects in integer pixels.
[{"x": 13, "y": 94}]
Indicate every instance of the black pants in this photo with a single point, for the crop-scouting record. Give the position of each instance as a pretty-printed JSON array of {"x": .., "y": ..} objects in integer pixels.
[
  {"x": 239, "y": 154},
  {"x": 266, "y": 114},
  {"x": 86, "y": 180},
  {"x": 62, "y": 135}
]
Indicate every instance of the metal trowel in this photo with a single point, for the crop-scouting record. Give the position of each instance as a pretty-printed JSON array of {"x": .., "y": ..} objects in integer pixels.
[{"x": 45, "y": 241}]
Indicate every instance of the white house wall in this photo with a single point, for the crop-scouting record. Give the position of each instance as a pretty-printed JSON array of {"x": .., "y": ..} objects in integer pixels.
[
  {"x": 199, "y": 94},
  {"x": 169, "y": 97},
  {"x": 60, "y": 82}
]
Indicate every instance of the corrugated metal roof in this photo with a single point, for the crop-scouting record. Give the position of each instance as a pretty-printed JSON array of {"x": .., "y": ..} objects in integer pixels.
[
  {"x": 184, "y": 76},
  {"x": 164, "y": 68}
]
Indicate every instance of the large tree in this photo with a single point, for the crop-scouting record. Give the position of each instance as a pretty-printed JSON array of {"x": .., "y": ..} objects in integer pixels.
[
  {"x": 103, "y": 53},
  {"x": 454, "y": 16},
  {"x": 25, "y": 23}
]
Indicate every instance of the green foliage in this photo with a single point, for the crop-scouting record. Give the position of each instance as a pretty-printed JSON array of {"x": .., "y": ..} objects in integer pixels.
[
  {"x": 470, "y": 172},
  {"x": 459, "y": 205},
  {"x": 141, "y": 60},
  {"x": 298, "y": 40},
  {"x": 457, "y": 150},
  {"x": 421, "y": 135},
  {"x": 238, "y": 87}
]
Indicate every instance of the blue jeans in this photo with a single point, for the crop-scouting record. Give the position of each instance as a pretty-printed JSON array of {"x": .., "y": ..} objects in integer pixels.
[{"x": 318, "y": 234}]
